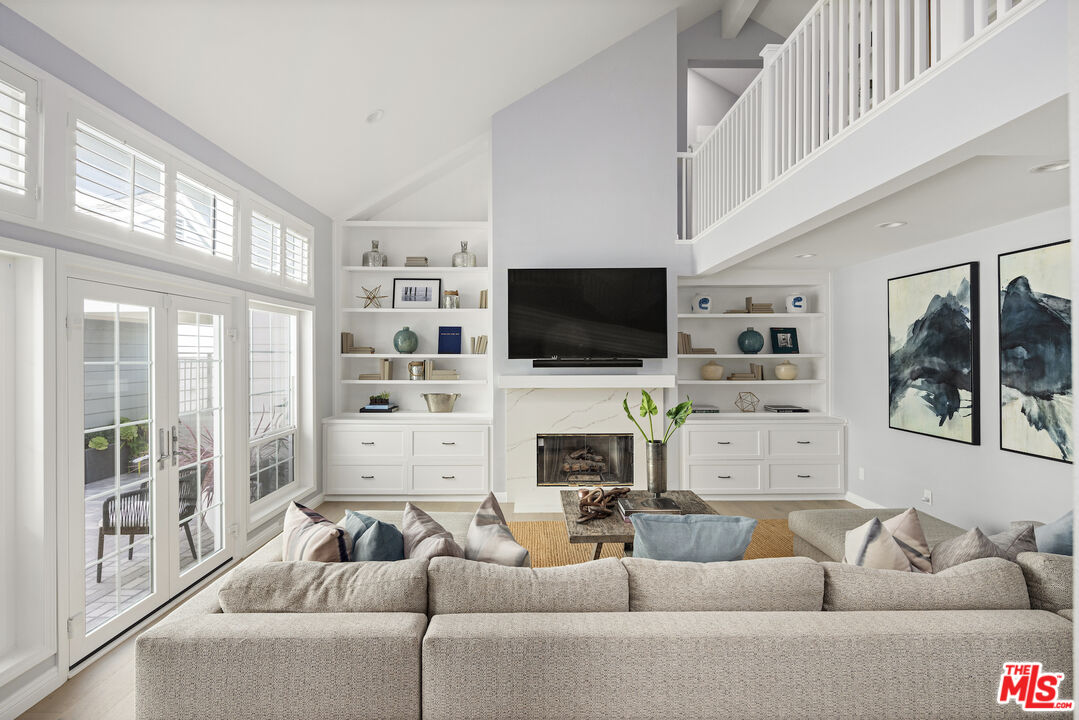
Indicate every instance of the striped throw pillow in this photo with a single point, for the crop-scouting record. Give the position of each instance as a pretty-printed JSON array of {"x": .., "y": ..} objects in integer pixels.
[
  {"x": 906, "y": 530},
  {"x": 872, "y": 546},
  {"x": 489, "y": 538},
  {"x": 309, "y": 536}
]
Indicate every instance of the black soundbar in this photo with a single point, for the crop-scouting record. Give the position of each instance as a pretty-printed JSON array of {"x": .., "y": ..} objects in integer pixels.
[{"x": 587, "y": 362}]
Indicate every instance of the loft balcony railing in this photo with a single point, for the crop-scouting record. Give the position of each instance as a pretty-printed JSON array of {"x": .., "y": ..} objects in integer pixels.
[{"x": 843, "y": 62}]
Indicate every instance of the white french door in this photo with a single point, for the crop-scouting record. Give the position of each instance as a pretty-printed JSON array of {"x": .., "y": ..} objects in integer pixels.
[{"x": 148, "y": 401}]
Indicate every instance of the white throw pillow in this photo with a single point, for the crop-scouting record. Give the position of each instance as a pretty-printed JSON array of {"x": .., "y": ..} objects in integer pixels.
[
  {"x": 906, "y": 530},
  {"x": 872, "y": 546},
  {"x": 489, "y": 538}
]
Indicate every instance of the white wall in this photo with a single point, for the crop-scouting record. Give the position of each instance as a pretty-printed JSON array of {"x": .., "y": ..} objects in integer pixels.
[
  {"x": 972, "y": 485},
  {"x": 706, "y": 103},
  {"x": 583, "y": 175}
]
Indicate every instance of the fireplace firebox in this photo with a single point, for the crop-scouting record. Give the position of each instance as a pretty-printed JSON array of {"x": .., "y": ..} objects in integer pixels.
[{"x": 584, "y": 459}]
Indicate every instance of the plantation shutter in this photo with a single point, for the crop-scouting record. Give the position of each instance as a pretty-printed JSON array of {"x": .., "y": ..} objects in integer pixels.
[
  {"x": 265, "y": 244},
  {"x": 204, "y": 218},
  {"x": 116, "y": 183},
  {"x": 18, "y": 125},
  {"x": 296, "y": 248}
]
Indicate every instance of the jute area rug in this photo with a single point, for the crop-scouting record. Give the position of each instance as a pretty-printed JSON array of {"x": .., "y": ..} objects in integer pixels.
[{"x": 549, "y": 546}]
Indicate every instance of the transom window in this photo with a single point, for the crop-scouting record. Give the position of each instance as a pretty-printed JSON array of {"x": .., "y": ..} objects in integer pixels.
[
  {"x": 118, "y": 184},
  {"x": 204, "y": 218},
  {"x": 273, "y": 411},
  {"x": 13, "y": 139},
  {"x": 296, "y": 253},
  {"x": 265, "y": 244}
]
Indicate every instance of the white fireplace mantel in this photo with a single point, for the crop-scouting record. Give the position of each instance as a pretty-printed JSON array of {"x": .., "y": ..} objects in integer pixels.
[{"x": 586, "y": 381}]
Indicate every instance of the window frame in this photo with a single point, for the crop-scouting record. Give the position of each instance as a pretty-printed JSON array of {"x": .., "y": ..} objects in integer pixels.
[
  {"x": 27, "y": 205},
  {"x": 287, "y": 223},
  {"x": 192, "y": 254}
]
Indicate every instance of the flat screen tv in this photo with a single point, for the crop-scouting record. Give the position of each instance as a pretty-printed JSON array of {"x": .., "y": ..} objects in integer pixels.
[{"x": 587, "y": 313}]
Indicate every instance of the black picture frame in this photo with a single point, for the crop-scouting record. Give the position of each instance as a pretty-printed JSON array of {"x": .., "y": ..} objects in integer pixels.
[
  {"x": 784, "y": 341},
  {"x": 1001, "y": 347},
  {"x": 432, "y": 298},
  {"x": 970, "y": 351}
]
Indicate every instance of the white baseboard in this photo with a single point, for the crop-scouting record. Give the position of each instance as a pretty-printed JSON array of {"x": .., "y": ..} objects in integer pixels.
[
  {"x": 861, "y": 501},
  {"x": 31, "y": 694},
  {"x": 315, "y": 501}
]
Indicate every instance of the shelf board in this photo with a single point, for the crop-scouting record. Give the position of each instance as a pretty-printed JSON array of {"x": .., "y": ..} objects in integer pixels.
[
  {"x": 430, "y": 224},
  {"x": 415, "y": 382},
  {"x": 716, "y": 316},
  {"x": 751, "y": 382},
  {"x": 414, "y": 311},
  {"x": 417, "y": 356},
  {"x": 745, "y": 356},
  {"x": 586, "y": 381},
  {"x": 760, "y": 416},
  {"x": 410, "y": 416},
  {"x": 405, "y": 269}
]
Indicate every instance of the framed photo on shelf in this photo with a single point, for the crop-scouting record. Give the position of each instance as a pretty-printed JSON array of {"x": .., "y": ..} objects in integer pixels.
[
  {"x": 784, "y": 341},
  {"x": 417, "y": 293}
]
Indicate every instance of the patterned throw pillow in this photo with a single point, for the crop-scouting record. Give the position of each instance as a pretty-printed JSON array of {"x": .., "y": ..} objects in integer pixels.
[
  {"x": 489, "y": 538},
  {"x": 872, "y": 546},
  {"x": 906, "y": 530},
  {"x": 1016, "y": 539},
  {"x": 425, "y": 538},
  {"x": 969, "y": 546},
  {"x": 309, "y": 536},
  {"x": 373, "y": 539}
]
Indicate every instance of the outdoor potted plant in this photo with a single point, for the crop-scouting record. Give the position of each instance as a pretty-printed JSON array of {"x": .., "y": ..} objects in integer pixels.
[{"x": 656, "y": 450}]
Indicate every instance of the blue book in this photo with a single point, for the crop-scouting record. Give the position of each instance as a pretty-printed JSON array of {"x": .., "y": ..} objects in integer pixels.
[{"x": 449, "y": 340}]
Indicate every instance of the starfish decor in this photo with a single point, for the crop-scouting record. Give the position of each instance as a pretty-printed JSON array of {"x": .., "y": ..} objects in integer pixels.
[{"x": 371, "y": 298}]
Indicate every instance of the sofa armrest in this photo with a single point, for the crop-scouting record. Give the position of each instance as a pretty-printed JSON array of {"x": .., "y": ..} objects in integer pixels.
[
  {"x": 235, "y": 666},
  {"x": 1049, "y": 580}
]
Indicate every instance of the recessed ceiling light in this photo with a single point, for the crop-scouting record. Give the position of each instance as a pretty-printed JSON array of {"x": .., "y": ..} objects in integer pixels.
[
  {"x": 892, "y": 224},
  {"x": 376, "y": 116},
  {"x": 806, "y": 256},
  {"x": 1056, "y": 166}
]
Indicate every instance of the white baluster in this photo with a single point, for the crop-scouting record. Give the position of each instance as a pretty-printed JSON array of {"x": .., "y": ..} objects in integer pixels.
[
  {"x": 906, "y": 44},
  {"x": 865, "y": 61}
]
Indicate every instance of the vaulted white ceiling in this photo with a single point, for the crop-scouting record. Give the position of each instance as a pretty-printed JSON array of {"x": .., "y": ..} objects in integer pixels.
[{"x": 286, "y": 86}]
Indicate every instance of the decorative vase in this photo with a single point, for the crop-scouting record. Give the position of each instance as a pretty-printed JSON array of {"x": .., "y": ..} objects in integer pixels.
[
  {"x": 373, "y": 257},
  {"x": 464, "y": 258},
  {"x": 405, "y": 341},
  {"x": 655, "y": 457},
  {"x": 702, "y": 303},
  {"x": 786, "y": 370},
  {"x": 750, "y": 342},
  {"x": 712, "y": 370},
  {"x": 796, "y": 304}
]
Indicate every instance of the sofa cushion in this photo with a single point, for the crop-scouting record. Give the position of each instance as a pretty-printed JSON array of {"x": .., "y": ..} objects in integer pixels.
[
  {"x": 986, "y": 584},
  {"x": 870, "y": 545},
  {"x": 691, "y": 538},
  {"x": 309, "y": 536},
  {"x": 1016, "y": 539},
  {"x": 456, "y": 585},
  {"x": 425, "y": 538},
  {"x": 1056, "y": 537},
  {"x": 906, "y": 530},
  {"x": 373, "y": 539},
  {"x": 1067, "y": 613},
  {"x": 971, "y": 545},
  {"x": 314, "y": 587},
  {"x": 826, "y": 529},
  {"x": 765, "y": 584},
  {"x": 1049, "y": 579},
  {"x": 490, "y": 540}
]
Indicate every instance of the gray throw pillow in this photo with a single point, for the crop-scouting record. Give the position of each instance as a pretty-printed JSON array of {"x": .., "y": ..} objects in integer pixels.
[
  {"x": 971, "y": 545},
  {"x": 489, "y": 538},
  {"x": 373, "y": 539},
  {"x": 425, "y": 538},
  {"x": 1016, "y": 539}
]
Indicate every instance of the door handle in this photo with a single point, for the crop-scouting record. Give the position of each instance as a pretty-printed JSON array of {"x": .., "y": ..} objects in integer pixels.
[
  {"x": 367, "y": 477},
  {"x": 367, "y": 443},
  {"x": 724, "y": 477},
  {"x": 175, "y": 445},
  {"x": 805, "y": 442},
  {"x": 448, "y": 443},
  {"x": 805, "y": 476},
  {"x": 449, "y": 477},
  {"x": 723, "y": 442},
  {"x": 162, "y": 447}
]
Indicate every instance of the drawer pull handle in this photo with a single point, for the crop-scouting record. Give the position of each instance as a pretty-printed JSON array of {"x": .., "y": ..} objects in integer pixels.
[
  {"x": 367, "y": 443},
  {"x": 367, "y": 477},
  {"x": 723, "y": 442},
  {"x": 805, "y": 476},
  {"x": 449, "y": 477},
  {"x": 805, "y": 442},
  {"x": 448, "y": 443},
  {"x": 724, "y": 477}
]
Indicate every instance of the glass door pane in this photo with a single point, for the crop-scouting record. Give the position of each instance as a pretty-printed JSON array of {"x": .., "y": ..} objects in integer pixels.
[{"x": 199, "y": 434}]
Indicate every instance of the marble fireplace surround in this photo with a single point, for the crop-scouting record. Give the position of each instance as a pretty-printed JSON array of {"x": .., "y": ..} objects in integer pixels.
[{"x": 536, "y": 411}]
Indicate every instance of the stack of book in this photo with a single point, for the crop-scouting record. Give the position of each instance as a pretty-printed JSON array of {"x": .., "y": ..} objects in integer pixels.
[
  {"x": 629, "y": 506},
  {"x": 707, "y": 409},
  {"x": 430, "y": 372},
  {"x": 752, "y": 307},
  {"x": 385, "y": 371},
  {"x": 483, "y": 299},
  {"x": 415, "y": 261},
  {"x": 685, "y": 346},
  {"x": 785, "y": 409},
  {"x": 479, "y": 345},
  {"x": 347, "y": 348},
  {"x": 385, "y": 407},
  {"x": 756, "y": 372}
]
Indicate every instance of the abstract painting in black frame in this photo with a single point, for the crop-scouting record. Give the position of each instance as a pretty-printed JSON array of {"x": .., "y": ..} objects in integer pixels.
[
  {"x": 1035, "y": 351},
  {"x": 933, "y": 353}
]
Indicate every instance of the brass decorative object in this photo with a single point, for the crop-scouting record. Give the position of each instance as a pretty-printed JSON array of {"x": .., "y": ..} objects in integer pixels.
[
  {"x": 747, "y": 402},
  {"x": 371, "y": 298}
]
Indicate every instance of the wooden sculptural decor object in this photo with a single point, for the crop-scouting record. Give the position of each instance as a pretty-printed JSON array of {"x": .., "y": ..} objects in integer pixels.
[{"x": 597, "y": 503}]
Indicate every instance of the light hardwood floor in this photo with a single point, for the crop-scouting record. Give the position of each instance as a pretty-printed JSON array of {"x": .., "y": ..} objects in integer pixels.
[{"x": 106, "y": 689}]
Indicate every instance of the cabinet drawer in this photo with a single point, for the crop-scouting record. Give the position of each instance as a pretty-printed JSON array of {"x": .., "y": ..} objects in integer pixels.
[
  {"x": 725, "y": 478},
  {"x": 804, "y": 478},
  {"x": 724, "y": 443},
  {"x": 449, "y": 478},
  {"x": 803, "y": 442},
  {"x": 347, "y": 445},
  {"x": 365, "y": 479},
  {"x": 449, "y": 443}
]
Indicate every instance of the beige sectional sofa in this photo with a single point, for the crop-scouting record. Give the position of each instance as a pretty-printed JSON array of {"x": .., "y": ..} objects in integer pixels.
[
  {"x": 631, "y": 639},
  {"x": 820, "y": 534}
]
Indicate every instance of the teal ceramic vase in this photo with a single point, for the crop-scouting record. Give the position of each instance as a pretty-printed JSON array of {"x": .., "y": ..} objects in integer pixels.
[
  {"x": 750, "y": 342},
  {"x": 405, "y": 341}
]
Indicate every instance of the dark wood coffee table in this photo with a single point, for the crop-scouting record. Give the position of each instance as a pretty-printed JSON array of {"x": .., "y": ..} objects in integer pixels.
[{"x": 614, "y": 529}]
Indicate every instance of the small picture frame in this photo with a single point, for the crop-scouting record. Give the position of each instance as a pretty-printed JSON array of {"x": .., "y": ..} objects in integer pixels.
[
  {"x": 417, "y": 293},
  {"x": 784, "y": 341}
]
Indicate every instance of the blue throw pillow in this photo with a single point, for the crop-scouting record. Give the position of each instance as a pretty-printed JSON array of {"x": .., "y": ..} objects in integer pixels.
[
  {"x": 373, "y": 539},
  {"x": 1056, "y": 537},
  {"x": 691, "y": 538}
]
